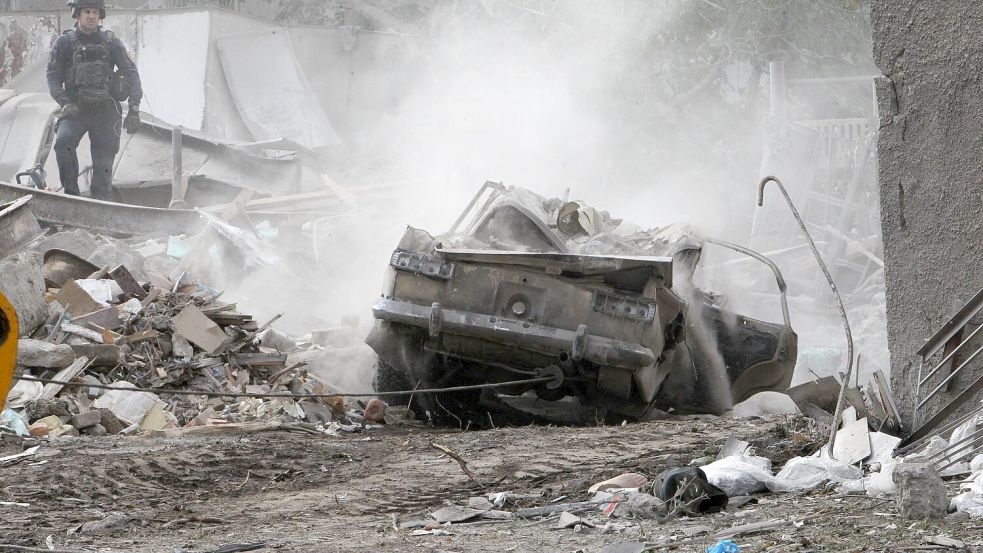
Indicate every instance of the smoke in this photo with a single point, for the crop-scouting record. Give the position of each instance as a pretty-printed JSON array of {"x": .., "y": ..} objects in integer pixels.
[{"x": 653, "y": 112}]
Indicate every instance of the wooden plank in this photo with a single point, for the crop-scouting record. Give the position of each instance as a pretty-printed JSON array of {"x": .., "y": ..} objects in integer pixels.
[
  {"x": 141, "y": 336},
  {"x": 68, "y": 373},
  {"x": 125, "y": 279}
]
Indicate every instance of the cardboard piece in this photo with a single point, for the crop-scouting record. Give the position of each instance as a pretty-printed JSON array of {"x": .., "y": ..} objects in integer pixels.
[
  {"x": 200, "y": 330},
  {"x": 141, "y": 336},
  {"x": 77, "y": 300}
]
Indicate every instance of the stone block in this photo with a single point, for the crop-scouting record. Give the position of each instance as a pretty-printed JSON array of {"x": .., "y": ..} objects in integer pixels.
[
  {"x": 101, "y": 355},
  {"x": 86, "y": 419},
  {"x": 22, "y": 281},
  {"x": 96, "y": 430},
  {"x": 37, "y": 353},
  {"x": 111, "y": 422},
  {"x": 921, "y": 492},
  {"x": 317, "y": 413}
]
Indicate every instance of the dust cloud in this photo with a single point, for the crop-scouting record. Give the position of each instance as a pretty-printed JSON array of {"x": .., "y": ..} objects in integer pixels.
[{"x": 654, "y": 112}]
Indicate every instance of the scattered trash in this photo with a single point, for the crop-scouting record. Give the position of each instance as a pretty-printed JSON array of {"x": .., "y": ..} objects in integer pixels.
[
  {"x": 18, "y": 457},
  {"x": 12, "y": 422},
  {"x": 724, "y": 546},
  {"x": 626, "y": 480},
  {"x": 689, "y": 491}
]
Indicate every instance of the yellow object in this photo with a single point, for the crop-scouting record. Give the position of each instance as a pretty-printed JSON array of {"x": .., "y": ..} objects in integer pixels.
[{"x": 8, "y": 347}]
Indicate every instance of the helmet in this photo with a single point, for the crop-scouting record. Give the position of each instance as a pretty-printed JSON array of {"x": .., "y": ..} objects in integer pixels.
[{"x": 77, "y": 5}]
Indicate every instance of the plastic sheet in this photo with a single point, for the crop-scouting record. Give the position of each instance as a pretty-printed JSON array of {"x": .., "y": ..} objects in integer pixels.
[
  {"x": 740, "y": 474},
  {"x": 131, "y": 407},
  {"x": 10, "y": 419},
  {"x": 724, "y": 546},
  {"x": 801, "y": 473}
]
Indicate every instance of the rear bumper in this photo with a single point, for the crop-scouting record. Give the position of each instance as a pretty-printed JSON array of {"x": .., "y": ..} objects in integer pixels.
[{"x": 579, "y": 344}]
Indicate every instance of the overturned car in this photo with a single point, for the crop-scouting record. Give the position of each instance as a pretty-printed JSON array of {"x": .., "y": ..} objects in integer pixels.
[{"x": 582, "y": 306}]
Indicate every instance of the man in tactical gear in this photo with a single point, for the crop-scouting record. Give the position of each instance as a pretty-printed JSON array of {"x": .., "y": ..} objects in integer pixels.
[{"x": 82, "y": 79}]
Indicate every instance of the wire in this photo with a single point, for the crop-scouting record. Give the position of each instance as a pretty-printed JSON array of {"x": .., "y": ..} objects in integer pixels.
[{"x": 283, "y": 394}]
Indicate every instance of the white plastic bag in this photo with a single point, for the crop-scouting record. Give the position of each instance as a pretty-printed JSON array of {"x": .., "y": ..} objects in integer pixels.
[
  {"x": 801, "y": 473},
  {"x": 739, "y": 474},
  {"x": 130, "y": 407}
]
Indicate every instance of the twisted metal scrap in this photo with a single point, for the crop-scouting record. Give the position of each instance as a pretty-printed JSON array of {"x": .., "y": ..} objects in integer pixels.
[{"x": 836, "y": 293}]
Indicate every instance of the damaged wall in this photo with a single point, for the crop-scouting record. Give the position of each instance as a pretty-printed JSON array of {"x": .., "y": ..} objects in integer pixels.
[{"x": 931, "y": 171}]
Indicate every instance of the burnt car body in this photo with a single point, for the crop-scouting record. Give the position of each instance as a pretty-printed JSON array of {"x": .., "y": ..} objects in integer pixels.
[{"x": 532, "y": 286}]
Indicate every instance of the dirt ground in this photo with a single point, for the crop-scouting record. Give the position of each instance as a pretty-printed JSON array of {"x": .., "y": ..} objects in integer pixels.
[{"x": 302, "y": 493}]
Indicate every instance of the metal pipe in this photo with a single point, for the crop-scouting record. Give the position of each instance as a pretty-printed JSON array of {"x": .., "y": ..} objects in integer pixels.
[
  {"x": 918, "y": 385},
  {"x": 948, "y": 378},
  {"x": 177, "y": 135},
  {"x": 488, "y": 184},
  {"x": 970, "y": 454},
  {"x": 947, "y": 357},
  {"x": 836, "y": 294},
  {"x": 948, "y": 450},
  {"x": 942, "y": 430},
  {"x": 774, "y": 268}
]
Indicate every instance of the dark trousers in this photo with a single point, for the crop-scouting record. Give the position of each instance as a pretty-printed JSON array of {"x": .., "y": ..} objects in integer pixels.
[{"x": 103, "y": 122}]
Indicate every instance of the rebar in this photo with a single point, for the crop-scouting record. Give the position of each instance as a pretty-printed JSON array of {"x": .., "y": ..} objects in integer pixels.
[{"x": 836, "y": 294}]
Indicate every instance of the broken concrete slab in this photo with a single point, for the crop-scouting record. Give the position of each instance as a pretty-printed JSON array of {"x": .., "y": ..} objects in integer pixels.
[
  {"x": 86, "y": 419},
  {"x": 454, "y": 513},
  {"x": 38, "y": 353},
  {"x": 18, "y": 226},
  {"x": 26, "y": 291},
  {"x": 200, "y": 330},
  {"x": 61, "y": 266}
]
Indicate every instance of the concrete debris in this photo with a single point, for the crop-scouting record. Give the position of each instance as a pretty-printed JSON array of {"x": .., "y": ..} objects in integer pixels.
[
  {"x": 921, "y": 491},
  {"x": 26, "y": 290},
  {"x": 145, "y": 336},
  {"x": 454, "y": 514},
  {"x": 41, "y": 354},
  {"x": 945, "y": 541}
]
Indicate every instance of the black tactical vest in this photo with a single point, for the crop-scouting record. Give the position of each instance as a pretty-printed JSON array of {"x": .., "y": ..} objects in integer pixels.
[{"x": 92, "y": 70}]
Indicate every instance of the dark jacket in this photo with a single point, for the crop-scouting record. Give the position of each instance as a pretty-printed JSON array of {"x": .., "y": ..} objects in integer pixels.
[{"x": 60, "y": 65}]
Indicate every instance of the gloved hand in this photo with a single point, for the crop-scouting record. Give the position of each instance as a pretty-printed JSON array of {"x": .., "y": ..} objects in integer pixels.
[
  {"x": 69, "y": 111},
  {"x": 132, "y": 121}
]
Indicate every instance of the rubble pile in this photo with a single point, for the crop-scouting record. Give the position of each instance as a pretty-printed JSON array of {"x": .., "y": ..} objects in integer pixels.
[{"x": 116, "y": 329}]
